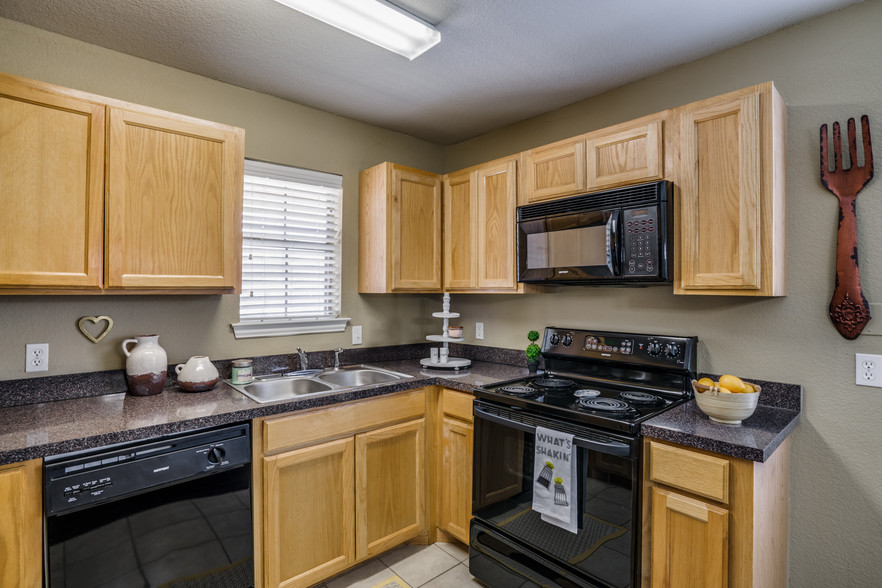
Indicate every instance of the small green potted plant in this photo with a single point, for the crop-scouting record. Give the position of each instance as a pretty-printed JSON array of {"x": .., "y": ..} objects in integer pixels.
[{"x": 533, "y": 351}]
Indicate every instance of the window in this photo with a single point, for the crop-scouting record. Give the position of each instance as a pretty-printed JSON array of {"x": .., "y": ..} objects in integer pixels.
[{"x": 291, "y": 267}]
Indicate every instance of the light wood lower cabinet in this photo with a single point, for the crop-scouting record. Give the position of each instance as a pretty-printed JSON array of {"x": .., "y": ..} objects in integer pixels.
[
  {"x": 455, "y": 464},
  {"x": 21, "y": 531},
  {"x": 337, "y": 486},
  {"x": 309, "y": 489},
  {"x": 714, "y": 521}
]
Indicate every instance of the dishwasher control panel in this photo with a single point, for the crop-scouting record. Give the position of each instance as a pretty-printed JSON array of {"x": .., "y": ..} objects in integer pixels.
[{"x": 75, "y": 480}]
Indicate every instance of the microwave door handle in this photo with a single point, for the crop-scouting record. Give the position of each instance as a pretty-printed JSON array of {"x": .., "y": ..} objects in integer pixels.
[
  {"x": 610, "y": 447},
  {"x": 612, "y": 243}
]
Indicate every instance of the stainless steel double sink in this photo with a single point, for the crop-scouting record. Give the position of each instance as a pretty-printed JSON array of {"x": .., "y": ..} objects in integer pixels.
[{"x": 315, "y": 382}]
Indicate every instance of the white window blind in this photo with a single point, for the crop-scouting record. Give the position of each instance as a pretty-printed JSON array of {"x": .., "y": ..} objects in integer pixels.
[{"x": 291, "y": 266}]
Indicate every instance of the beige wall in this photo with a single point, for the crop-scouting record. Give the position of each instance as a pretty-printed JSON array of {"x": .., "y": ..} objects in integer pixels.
[
  {"x": 828, "y": 69},
  {"x": 275, "y": 130}
]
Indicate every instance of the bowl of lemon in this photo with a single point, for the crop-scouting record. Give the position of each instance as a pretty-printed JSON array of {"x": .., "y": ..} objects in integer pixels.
[{"x": 729, "y": 400}]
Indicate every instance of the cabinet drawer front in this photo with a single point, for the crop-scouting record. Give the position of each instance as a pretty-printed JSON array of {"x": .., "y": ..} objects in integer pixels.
[
  {"x": 691, "y": 471},
  {"x": 346, "y": 419},
  {"x": 457, "y": 404}
]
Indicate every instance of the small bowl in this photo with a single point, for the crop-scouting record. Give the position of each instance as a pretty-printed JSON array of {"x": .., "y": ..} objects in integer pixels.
[
  {"x": 455, "y": 332},
  {"x": 725, "y": 407}
]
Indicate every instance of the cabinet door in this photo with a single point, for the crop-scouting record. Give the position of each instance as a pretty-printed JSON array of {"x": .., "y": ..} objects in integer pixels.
[
  {"x": 497, "y": 201},
  {"x": 21, "y": 538},
  {"x": 690, "y": 542},
  {"x": 309, "y": 510},
  {"x": 174, "y": 203},
  {"x": 52, "y": 184},
  {"x": 720, "y": 193},
  {"x": 456, "y": 478},
  {"x": 625, "y": 154},
  {"x": 460, "y": 239},
  {"x": 390, "y": 487},
  {"x": 554, "y": 170},
  {"x": 416, "y": 230}
]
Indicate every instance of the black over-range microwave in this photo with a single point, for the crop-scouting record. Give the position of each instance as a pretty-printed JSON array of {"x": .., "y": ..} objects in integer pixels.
[{"x": 620, "y": 236}]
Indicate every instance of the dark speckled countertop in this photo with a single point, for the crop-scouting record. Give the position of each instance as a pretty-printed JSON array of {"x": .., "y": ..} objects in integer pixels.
[
  {"x": 50, "y": 428},
  {"x": 51, "y": 416}
]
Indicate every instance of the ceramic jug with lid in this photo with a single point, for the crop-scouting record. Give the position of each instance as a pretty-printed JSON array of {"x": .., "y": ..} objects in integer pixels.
[
  {"x": 197, "y": 375},
  {"x": 146, "y": 365}
]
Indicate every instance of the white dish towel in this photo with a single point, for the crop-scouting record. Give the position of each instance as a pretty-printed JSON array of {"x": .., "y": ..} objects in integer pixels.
[{"x": 554, "y": 479}]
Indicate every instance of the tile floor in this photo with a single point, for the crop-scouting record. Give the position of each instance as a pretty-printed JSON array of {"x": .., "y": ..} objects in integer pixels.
[{"x": 442, "y": 565}]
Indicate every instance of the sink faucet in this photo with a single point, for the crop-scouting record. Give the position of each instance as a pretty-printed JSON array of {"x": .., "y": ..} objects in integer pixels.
[
  {"x": 337, "y": 353},
  {"x": 303, "y": 359}
]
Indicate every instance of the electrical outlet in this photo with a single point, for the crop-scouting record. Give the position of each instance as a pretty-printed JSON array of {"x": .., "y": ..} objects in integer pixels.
[
  {"x": 37, "y": 357},
  {"x": 868, "y": 370},
  {"x": 479, "y": 330},
  {"x": 356, "y": 335}
]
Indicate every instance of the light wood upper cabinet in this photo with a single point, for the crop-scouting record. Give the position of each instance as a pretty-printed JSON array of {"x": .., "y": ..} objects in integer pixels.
[
  {"x": 554, "y": 170},
  {"x": 399, "y": 230},
  {"x": 389, "y": 487},
  {"x": 730, "y": 194},
  {"x": 173, "y": 203},
  {"x": 625, "y": 154},
  {"x": 21, "y": 533},
  {"x": 479, "y": 228},
  {"x": 52, "y": 181},
  {"x": 310, "y": 488},
  {"x": 712, "y": 520},
  {"x": 103, "y": 195}
]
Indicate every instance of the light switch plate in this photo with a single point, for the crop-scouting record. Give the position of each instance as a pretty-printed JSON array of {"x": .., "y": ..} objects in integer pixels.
[
  {"x": 479, "y": 330},
  {"x": 356, "y": 335}
]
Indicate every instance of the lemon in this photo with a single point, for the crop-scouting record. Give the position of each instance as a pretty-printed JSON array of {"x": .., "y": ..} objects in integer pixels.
[
  {"x": 732, "y": 383},
  {"x": 706, "y": 382}
]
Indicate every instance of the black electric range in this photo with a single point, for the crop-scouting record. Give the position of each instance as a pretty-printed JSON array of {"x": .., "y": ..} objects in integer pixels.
[{"x": 613, "y": 381}]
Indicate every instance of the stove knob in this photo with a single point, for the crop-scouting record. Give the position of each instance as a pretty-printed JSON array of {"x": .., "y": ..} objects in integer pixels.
[
  {"x": 555, "y": 339},
  {"x": 216, "y": 455},
  {"x": 567, "y": 340},
  {"x": 672, "y": 350},
  {"x": 653, "y": 348}
]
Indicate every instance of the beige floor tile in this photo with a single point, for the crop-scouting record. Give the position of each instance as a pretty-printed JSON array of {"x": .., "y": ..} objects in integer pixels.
[
  {"x": 365, "y": 576},
  {"x": 456, "y": 549},
  {"x": 417, "y": 564},
  {"x": 458, "y": 577}
]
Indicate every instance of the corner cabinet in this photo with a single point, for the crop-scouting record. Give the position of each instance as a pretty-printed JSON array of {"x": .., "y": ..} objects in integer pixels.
[
  {"x": 712, "y": 520},
  {"x": 730, "y": 184},
  {"x": 102, "y": 195},
  {"x": 334, "y": 487},
  {"x": 399, "y": 230},
  {"x": 21, "y": 534},
  {"x": 479, "y": 228},
  {"x": 455, "y": 464}
]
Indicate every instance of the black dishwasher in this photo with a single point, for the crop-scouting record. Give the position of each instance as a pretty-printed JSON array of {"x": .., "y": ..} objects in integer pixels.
[{"x": 169, "y": 511}]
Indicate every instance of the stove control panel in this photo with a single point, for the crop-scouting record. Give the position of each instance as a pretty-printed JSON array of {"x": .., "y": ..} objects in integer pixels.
[{"x": 658, "y": 350}]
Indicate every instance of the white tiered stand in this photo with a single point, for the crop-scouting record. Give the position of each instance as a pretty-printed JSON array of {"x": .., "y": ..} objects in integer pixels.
[{"x": 454, "y": 363}]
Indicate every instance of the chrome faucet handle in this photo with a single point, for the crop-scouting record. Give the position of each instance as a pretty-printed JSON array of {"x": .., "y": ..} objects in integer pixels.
[
  {"x": 304, "y": 362},
  {"x": 337, "y": 353}
]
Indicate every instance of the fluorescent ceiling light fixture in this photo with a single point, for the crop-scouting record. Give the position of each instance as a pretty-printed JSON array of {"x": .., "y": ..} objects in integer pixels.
[{"x": 376, "y": 21}]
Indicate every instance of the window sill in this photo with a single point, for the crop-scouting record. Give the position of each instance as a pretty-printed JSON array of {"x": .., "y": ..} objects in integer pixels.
[{"x": 280, "y": 328}]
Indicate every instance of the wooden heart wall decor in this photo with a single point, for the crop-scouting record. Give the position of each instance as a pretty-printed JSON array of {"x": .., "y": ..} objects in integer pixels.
[
  {"x": 849, "y": 309},
  {"x": 95, "y": 320}
]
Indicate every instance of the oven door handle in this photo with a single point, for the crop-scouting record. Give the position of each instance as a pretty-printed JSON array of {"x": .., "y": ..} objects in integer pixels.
[{"x": 610, "y": 447}]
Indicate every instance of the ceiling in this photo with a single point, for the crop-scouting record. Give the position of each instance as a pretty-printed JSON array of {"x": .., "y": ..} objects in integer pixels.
[{"x": 499, "y": 61}]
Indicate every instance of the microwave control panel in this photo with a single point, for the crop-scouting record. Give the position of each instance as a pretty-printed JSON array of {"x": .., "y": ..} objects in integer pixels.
[{"x": 640, "y": 236}]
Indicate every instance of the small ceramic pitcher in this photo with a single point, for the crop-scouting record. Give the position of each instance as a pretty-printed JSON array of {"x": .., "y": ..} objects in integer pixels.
[
  {"x": 197, "y": 375},
  {"x": 146, "y": 365}
]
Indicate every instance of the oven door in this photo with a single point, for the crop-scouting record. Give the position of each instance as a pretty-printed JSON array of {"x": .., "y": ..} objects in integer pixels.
[
  {"x": 572, "y": 247},
  {"x": 508, "y": 537}
]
